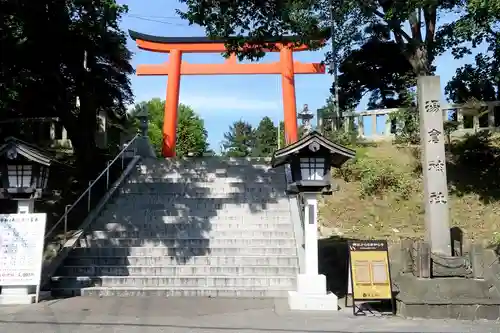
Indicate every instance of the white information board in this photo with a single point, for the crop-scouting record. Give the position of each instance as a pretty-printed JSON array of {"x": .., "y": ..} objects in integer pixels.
[{"x": 21, "y": 248}]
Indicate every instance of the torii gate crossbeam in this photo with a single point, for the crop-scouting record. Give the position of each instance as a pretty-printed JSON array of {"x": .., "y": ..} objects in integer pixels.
[{"x": 175, "y": 67}]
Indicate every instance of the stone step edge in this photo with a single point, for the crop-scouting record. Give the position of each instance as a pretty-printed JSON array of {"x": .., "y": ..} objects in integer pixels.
[
  {"x": 260, "y": 288},
  {"x": 190, "y": 247},
  {"x": 88, "y": 277},
  {"x": 180, "y": 266},
  {"x": 180, "y": 246},
  {"x": 264, "y": 228},
  {"x": 197, "y": 238},
  {"x": 251, "y": 226},
  {"x": 281, "y": 256},
  {"x": 222, "y": 224}
]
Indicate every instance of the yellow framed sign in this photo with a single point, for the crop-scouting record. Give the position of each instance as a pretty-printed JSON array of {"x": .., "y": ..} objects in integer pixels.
[{"x": 369, "y": 271}]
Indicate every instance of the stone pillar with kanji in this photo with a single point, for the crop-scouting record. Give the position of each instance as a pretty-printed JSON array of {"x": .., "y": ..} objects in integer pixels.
[{"x": 434, "y": 165}]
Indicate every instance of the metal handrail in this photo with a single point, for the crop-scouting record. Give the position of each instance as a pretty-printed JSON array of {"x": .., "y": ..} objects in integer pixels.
[{"x": 88, "y": 191}]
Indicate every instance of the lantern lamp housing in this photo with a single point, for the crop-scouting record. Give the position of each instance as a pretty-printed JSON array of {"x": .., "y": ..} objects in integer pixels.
[
  {"x": 308, "y": 163},
  {"x": 24, "y": 170}
]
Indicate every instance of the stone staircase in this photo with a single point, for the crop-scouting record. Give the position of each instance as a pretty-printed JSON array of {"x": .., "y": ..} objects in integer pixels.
[{"x": 192, "y": 227}]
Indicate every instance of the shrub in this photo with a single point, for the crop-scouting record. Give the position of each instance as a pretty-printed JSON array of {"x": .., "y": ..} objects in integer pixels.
[
  {"x": 342, "y": 137},
  {"x": 407, "y": 131},
  {"x": 376, "y": 176}
]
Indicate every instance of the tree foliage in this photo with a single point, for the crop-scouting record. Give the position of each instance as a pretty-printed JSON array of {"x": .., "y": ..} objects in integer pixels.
[
  {"x": 191, "y": 132},
  {"x": 378, "y": 68},
  {"x": 239, "y": 141},
  {"x": 45, "y": 44},
  {"x": 266, "y": 138},
  {"x": 479, "y": 81},
  {"x": 475, "y": 83},
  {"x": 256, "y": 20},
  {"x": 155, "y": 108}
]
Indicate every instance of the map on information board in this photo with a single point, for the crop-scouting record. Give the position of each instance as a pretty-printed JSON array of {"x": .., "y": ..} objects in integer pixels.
[{"x": 21, "y": 248}]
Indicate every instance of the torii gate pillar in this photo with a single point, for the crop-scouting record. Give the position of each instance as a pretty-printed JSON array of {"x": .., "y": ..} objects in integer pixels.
[
  {"x": 176, "y": 46},
  {"x": 289, "y": 100},
  {"x": 172, "y": 104}
]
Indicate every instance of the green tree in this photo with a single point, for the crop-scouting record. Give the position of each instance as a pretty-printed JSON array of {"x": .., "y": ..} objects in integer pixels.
[
  {"x": 266, "y": 138},
  {"x": 473, "y": 84},
  {"x": 239, "y": 141},
  {"x": 329, "y": 117},
  {"x": 379, "y": 69},
  {"x": 65, "y": 35},
  {"x": 155, "y": 108},
  {"x": 191, "y": 132},
  {"x": 480, "y": 81},
  {"x": 282, "y": 142},
  {"x": 255, "y": 21}
]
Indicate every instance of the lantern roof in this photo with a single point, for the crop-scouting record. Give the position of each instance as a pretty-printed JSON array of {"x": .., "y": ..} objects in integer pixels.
[
  {"x": 27, "y": 150},
  {"x": 339, "y": 154}
]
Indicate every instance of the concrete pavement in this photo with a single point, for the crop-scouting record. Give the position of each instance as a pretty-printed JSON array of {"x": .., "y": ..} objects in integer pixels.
[{"x": 210, "y": 315}]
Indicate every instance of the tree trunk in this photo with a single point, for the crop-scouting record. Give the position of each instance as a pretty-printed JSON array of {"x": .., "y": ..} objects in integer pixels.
[
  {"x": 83, "y": 143},
  {"x": 419, "y": 60}
]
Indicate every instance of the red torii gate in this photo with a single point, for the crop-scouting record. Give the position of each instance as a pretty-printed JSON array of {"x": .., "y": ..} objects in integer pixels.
[{"x": 175, "y": 67}]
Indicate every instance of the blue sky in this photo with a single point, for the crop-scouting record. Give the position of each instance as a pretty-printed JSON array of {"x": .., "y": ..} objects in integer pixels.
[{"x": 221, "y": 100}]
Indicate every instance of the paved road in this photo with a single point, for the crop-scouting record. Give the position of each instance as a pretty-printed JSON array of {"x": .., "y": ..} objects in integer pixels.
[{"x": 196, "y": 315}]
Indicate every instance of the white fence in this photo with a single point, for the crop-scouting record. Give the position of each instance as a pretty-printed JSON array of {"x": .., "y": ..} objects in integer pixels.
[{"x": 490, "y": 120}]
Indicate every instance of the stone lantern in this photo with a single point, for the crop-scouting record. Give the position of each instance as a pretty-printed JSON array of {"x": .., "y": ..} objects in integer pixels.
[
  {"x": 24, "y": 172},
  {"x": 307, "y": 166}
]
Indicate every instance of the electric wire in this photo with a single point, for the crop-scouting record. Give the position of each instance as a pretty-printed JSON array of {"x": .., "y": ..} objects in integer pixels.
[{"x": 157, "y": 19}]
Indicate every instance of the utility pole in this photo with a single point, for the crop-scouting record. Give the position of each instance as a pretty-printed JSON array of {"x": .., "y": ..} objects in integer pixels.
[{"x": 334, "y": 66}]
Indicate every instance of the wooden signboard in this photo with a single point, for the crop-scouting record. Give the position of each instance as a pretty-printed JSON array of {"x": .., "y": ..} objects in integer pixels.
[{"x": 369, "y": 273}]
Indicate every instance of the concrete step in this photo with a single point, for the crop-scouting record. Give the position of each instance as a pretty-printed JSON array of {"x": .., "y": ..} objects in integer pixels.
[
  {"x": 208, "y": 180},
  {"x": 217, "y": 225},
  {"x": 230, "y": 195},
  {"x": 243, "y": 282},
  {"x": 210, "y": 167},
  {"x": 205, "y": 165},
  {"x": 203, "y": 182},
  {"x": 145, "y": 212},
  {"x": 214, "y": 182},
  {"x": 232, "y": 174},
  {"x": 191, "y": 233},
  {"x": 135, "y": 201},
  {"x": 225, "y": 196},
  {"x": 158, "y": 218},
  {"x": 184, "y": 253},
  {"x": 169, "y": 292},
  {"x": 269, "y": 260},
  {"x": 266, "y": 183},
  {"x": 178, "y": 270},
  {"x": 206, "y": 243}
]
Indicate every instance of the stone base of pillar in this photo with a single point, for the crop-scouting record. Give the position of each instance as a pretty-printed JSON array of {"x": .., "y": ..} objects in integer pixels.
[
  {"x": 311, "y": 294},
  {"x": 20, "y": 295}
]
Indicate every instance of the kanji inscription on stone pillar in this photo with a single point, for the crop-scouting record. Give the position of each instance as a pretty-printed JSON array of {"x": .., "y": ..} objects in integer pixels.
[{"x": 434, "y": 164}]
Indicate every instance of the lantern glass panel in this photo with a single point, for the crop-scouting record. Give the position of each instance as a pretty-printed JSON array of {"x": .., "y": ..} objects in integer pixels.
[
  {"x": 312, "y": 168},
  {"x": 19, "y": 175},
  {"x": 41, "y": 180}
]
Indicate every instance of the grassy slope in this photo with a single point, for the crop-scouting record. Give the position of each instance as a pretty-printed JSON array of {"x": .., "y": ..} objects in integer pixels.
[{"x": 474, "y": 199}]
